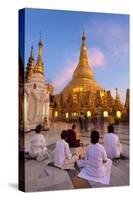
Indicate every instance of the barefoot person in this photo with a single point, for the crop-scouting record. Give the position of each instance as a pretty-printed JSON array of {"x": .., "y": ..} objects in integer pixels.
[
  {"x": 62, "y": 156},
  {"x": 38, "y": 149},
  {"x": 96, "y": 166},
  {"x": 112, "y": 143}
]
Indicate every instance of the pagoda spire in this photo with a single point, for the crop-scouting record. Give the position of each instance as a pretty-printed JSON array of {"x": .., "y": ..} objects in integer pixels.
[
  {"x": 117, "y": 100},
  {"x": 83, "y": 58},
  {"x": 39, "y": 63},
  {"x": 83, "y": 68},
  {"x": 82, "y": 79},
  {"x": 30, "y": 65}
]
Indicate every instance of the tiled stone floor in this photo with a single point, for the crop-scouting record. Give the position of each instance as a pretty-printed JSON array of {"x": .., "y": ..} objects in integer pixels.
[{"x": 41, "y": 177}]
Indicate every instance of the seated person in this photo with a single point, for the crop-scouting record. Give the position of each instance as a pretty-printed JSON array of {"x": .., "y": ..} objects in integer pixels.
[
  {"x": 38, "y": 149},
  {"x": 112, "y": 143},
  {"x": 95, "y": 165},
  {"x": 62, "y": 156},
  {"x": 73, "y": 137}
]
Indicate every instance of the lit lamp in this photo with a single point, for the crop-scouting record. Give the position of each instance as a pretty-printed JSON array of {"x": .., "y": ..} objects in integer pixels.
[
  {"x": 66, "y": 115},
  {"x": 105, "y": 114},
  {"x": 81, "y": 89},
  {"x": 56, "y": 114},
  {"x": 118, "y": 114},
  {"x": 74, "y": 113},
  {"x": 88, "y": 113}
]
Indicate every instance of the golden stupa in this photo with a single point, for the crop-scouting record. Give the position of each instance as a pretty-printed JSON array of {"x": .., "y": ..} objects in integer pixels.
[{"x": 82, "y": 79}]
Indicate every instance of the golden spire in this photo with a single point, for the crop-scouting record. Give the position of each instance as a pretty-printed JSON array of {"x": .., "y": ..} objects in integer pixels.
[
  {"x": 82, "y": 79},
  {"x": 117, "y": 100},
  {"x": 83, "y": 69},
  {"x": 30, "y": 65},
  {"x": 39, "y": 63}
]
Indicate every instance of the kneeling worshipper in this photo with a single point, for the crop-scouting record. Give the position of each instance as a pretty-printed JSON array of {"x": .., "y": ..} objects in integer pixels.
[
  {"x": 96, "y": 166},
  {"x": 112, "y": 143},
  {"x": 62, "y": 156},
  {"x": 38, "y": 149},
  {"x": 73, "y": 137}
]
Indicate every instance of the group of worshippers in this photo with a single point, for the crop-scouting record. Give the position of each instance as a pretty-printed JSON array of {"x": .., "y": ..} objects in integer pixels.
[{"x": 96, "y": 163}]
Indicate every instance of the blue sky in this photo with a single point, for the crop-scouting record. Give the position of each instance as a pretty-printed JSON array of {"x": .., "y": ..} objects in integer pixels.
[{"x": 107, "y": 41}]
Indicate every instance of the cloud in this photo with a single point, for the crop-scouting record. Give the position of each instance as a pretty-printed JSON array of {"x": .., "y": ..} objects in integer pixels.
[
  {"x": 111, "y": 35},
  {"x": 65, "y": 74},
  {"x": 97, "y": 58}
]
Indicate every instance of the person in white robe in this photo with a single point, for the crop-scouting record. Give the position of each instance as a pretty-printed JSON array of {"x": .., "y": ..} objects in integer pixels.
[
  {"x": 62, "y": 155},
  {"x": 112, "y": 143},
  {"x": 95, "y": 166},
  {"x": 38, "y": 149}
]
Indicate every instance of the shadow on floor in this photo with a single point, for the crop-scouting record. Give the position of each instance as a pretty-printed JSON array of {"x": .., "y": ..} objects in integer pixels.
[{"x": 13, "y": 185}]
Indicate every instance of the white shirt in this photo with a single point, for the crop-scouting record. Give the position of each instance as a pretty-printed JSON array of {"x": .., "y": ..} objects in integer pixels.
[
  {"x": 38, "y": 140},
  {"x": 62, "y": 152},
  {"x": 94, "y": 156},
  {"x": 37, "y": 144},
  {"x": 112, "y": 145}
]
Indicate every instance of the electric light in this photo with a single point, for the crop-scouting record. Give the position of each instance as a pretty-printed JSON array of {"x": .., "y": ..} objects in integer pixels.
[
  {"x": 105, "y": 114},
  {"x": 88, "y": 113},
  {"x": 56, "y": 114},
  {"x": 118, "y": 114}
]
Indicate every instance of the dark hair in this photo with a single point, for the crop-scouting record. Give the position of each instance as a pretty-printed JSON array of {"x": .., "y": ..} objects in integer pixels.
[
  {"x": 94, "y": 137},
  {"x": 110, "y": 128},
  {"x": 64, "y": 134},
  {"x": 73, "y": 126},
  {"x": 38, "y": 128}
]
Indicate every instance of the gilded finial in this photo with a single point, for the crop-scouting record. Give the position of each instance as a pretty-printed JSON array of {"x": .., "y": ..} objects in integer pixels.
[
  {"x": 83, "y": 36},
  {"x": 40, "y": 41},
  {"x": 39, "y": 63},
  {"x": 31, "y": 52}
]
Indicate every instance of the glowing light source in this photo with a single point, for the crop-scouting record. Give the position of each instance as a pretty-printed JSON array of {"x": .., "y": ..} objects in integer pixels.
[
  {"x": 74, "y": 113},
  {"x": 88, "y": 113},
  {"x": 56, "y": 114},
  {"x": 81, "y": 89},
  {"x": 118, "y": 114},
  {"x": 67, "y": 115},
  {"x": 105, "y": 114},
  {"x": 102, "y": 93}
]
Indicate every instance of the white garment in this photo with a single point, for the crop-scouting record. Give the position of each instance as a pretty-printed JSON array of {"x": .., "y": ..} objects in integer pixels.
[
  {"x": 93, "y": 167},
  {"x": 62, "y": 156},
  {"x": 38, "y": 146},
  {"x": 112, "y": 145}
]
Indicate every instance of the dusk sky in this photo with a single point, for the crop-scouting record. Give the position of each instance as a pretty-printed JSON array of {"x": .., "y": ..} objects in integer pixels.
[{"x": 107, "y": 41}]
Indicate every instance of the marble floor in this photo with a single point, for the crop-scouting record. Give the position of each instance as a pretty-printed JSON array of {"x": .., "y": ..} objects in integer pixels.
[{"x": 41, "y": 177}]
